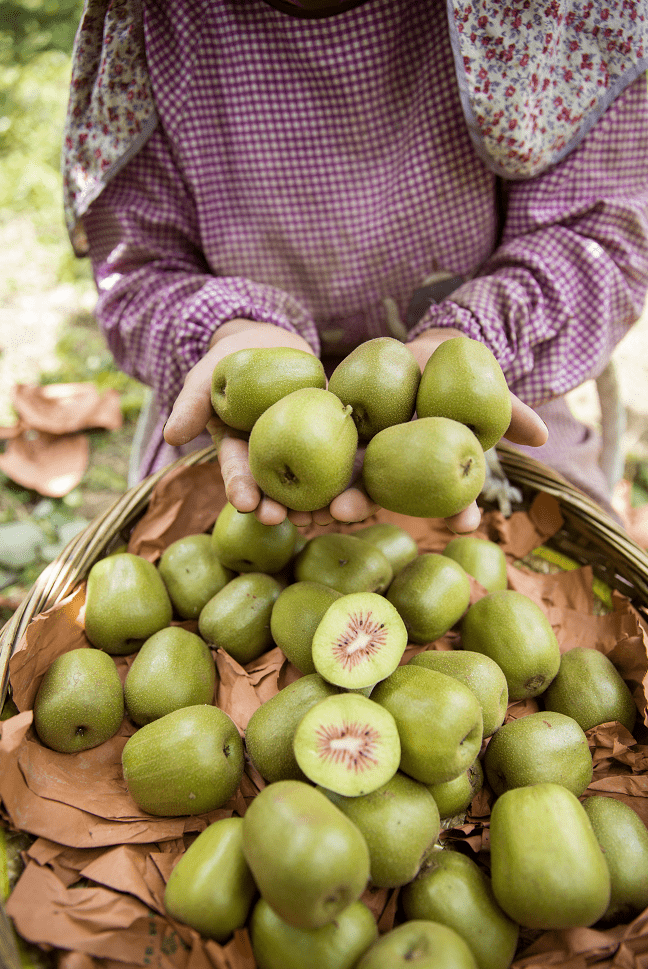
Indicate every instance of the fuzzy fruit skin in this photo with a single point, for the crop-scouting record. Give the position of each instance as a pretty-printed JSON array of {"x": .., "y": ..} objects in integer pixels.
[
  {"x": 271, "y": 728},
  {"x": 479, "y": 673},
  {"x": 295, "y": 616},
  {"x": 544, "y": 746},
  {"x": 396, "y": 544},
  {"x": 379, "y": 380},
  {"x": 547, "y": 869},
  {"x": 429, "y": 468},
  {"x": 481, "y": 558},
  {"x": 336, "y": 716},
  {"x": 373, "y": 616},
  {"x": 419, "y": 944},
  {"x": 237, "y": 619},
  {"x": 211, "y": 887},
  {"x": 623, "y": 838},
  {"x": 187, "y": 762},
  {"x": 454, "y": 797},
  {"x": 589, "y": 688},
  {"x": 400, "y": 823},
  {"x": 344, "y": 562},
  {"x": 338, "y": 945},
  {"x": 431, "y": 594},
  {"x": 245, "y": 383},
  {"x": 463, "y": 380},
  {"x": 173, "y": 669},
  {"x": 244, "y": 544},
  {"x": 126, "y": 602},
  {"x": 514, "y": 631},
  {"x": 439, "y": 722},
  {"x": 80, "y": 701},
  {"x": 308, "y": 860},
  {"x": 192, "y": 574},
  {"x": 302, "y": 449},
  {"x": 452, "y": 889}
]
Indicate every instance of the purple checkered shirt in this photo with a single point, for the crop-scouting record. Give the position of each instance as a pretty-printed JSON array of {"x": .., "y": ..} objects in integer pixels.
[{"x": 314, "y": 173}]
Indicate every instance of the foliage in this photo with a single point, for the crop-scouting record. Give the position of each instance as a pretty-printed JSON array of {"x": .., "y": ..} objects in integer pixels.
[
  {"x": 29, "y": 27},
  {"x": 36, "y": 38}
]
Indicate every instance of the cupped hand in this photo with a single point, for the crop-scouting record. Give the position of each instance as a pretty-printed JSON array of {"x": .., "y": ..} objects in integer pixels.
[{"x": 193, "y": 413}]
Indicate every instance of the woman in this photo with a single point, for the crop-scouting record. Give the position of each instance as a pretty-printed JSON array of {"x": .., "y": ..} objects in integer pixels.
[{"x": 252, "y": 172}]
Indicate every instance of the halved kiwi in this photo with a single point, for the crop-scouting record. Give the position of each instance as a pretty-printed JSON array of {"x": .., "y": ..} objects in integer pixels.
[
  {"x": 359, "y": 641},
  {"x": 346, "y": 744}
]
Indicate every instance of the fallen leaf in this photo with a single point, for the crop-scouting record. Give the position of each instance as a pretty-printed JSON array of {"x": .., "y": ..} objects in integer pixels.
[
  {"x": 50, "y": 464},
  {"x": 66, "y": 408}
]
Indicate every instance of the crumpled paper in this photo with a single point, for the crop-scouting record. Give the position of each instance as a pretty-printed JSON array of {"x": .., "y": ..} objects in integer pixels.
[{"x": 93, "y": 883}]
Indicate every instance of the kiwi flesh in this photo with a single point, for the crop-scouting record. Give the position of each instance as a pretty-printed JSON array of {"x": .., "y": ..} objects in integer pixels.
[
  {"x": 359, "y": 641},
  {"x": 345, "y": 744}
]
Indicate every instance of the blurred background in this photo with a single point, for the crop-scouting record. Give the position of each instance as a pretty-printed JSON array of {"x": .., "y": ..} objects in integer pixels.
[
  {"x": 48, "y": 335},
  {"x": 52, "y": 355}
]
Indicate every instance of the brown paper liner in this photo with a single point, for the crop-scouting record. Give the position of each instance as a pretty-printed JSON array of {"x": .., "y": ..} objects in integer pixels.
[{"x": 93, "y": 883}]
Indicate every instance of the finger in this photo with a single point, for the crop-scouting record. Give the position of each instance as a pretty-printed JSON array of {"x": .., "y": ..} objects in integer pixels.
[
  {"x": 192, "y": 408},
  {"x": 526, "y": 426},
  {"x": 240, "y": 487},
  {"x": 353, "y": 505},
  {"x": 465, "y": 521},
  {"x": 322, "y": 516},
  {"x": 300, "y": 518},
  {"x": 269, "y": 511}
]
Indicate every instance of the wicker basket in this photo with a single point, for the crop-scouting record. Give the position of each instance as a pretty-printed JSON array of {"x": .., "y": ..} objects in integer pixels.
[{"x": 589, "y": 536}]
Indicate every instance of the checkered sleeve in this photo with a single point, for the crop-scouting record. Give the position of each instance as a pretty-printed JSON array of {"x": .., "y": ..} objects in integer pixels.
[
  {"x": 570, "y": 274},
  {"x": 159, "y": 302}
]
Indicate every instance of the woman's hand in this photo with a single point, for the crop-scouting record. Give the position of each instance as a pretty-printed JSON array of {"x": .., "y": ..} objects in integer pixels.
[
  {"x": 525, "y": 427},
  {"x": 193, "y": 413}
]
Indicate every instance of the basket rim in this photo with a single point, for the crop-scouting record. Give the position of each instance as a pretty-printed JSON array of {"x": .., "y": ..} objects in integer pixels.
[{"x": 73, "y": 563}]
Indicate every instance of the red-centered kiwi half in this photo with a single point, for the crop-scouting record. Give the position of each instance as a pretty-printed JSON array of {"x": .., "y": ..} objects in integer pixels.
[
  {"x": 347, "y": 745},
  {"x": 359, "y": 641}
]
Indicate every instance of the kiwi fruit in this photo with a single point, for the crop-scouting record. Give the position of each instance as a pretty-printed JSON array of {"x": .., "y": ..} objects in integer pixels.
[
  {"x": 271, "y": 728},
  {"x": 453, "y": 798},
  {"x": 237, "y": 619},
  {"x": 394, "y": 542},
  {"x": 346, "y": 744},
  {"x": 400, "y": 823},
  {"x": 379, "y": 380},
  {"x": 359, "y": 641},
  {"x": 295, "y": 616},
  {"x": 431, "y": 594},
  {"x": 344, "y": 562}
]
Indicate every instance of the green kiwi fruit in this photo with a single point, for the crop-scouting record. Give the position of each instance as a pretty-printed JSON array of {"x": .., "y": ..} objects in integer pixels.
[
  {"x": 431, "y": 594},
  {"x": 538, "y": 748},
  {"x": 394, "y": 542},
  {"x": 237, "y": 619},
  {"x": 589, "y": 688},
  {"x": 344, "y": 562},
  {"x": 400, "y": 823},
  {"x": 244, "y": 544},
  {"x": 294, "y": 618},
  {"x": 379, "y": 380},
  {"x": 453, "y": 798}
]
